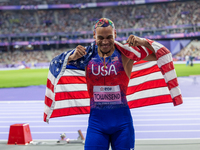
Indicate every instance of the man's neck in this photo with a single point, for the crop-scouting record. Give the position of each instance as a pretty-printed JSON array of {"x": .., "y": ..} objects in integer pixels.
[{"x": 106, "y": 54}]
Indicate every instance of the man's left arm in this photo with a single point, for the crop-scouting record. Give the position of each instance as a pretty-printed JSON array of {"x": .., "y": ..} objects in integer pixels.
[
  {"x": 164, "y": 62},
  {"x": 136, "y": 41}
]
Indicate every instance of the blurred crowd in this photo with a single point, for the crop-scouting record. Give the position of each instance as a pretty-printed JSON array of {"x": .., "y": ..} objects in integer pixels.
[
  {"x": 72, "y": 20},
  {"x": 50, "y": 2},
  {"x": 191, "y": 51},
  {"x": 29, "y": 57}
]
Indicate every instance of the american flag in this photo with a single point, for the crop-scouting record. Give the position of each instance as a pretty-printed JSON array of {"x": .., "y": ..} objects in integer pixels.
[
  {"x": 114, "y": 58},
  {"x": 150, "y": 83}
]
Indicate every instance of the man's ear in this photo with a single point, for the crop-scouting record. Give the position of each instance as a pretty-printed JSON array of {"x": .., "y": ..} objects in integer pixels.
[
  {"x": 94, "y": 35},
  {"x": 115, "y": 33}
]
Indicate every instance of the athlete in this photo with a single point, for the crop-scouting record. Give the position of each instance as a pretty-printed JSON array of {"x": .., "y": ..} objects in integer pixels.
[{"x": 107, "y": 76}]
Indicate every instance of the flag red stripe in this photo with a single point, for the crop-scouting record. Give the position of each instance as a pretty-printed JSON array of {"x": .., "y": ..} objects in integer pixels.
[
  {"x": 146, "y": 85},
  {"x": 50, "y": 85},
  {"x": 150, "y": 52},
  {"x": 45, "y": 117},
  {"x": 132, "y": 104},
  {"x": 135, "y": 48},
  {"x": 167, "y": 67},
  {"x": 150, "y": 101},
  {"x": 48, "y": 101},
  {"x": 71, "y": 80},
  {"x": 143, "y": 52},
  {"x": 178, "y": 100},
  {"x": 127, "y": 53},
  {"x": 172, "y": 83},
  {"x": 70, "y": 111},
  {"x": 150, "y": 41},
  {"x": 161, "y": 52},
  {"x": 143, "y": 72},
  {"x": 140, "y": 62},
  {"x": 71, "y": 95}
]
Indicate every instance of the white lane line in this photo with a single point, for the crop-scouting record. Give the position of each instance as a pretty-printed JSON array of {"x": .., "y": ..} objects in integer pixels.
[
  {"x": 170, "y": 131},
  {"x": 27, "y": 113},
  {"x": 13, "y": 110},
  {"x": 57, "y": 132},
  {"x": 22, "y": 117},
  {"x": 146, "y": 131},
  {"x": 22, "y": 106},
  {"x": 182, "y": 114},
  {"x": 134, "y": 120},
  {"x": 26, "y": 109},
  {"x": 167, "y": 107},
  {"x": 136, "y": 125},
  {"x": 137, "y": 110},
  {"x": 59, "y": 126},
  {"x": 40, "y": 104},
  {"x": 45, "y": 122},
  {"x": 163, "y": 111},
  {"x": 41, "y": 116},
  {"x": 194, "y": 98},
  {"x": 4, "y": 132},
  {"x": 42, "y": 101},
  {"x": 132, "y": 111},
  {"x": 25, "y": 101},
  {"x": 145, "y": 107},
  {"x": 189, "y": 104},
  {"x": 134, "y": 115},
  {"x": 189, "y": 124},
  {"x": 146, "y": 120},
  {"x": 168, "y": 119}
]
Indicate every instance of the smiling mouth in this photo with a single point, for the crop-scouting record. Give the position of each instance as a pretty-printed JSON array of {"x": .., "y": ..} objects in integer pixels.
[{"x": 105, "y": 46}]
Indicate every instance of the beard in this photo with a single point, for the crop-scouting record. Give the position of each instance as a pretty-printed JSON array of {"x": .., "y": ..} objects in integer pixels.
[{"x": 105, "y": 48}]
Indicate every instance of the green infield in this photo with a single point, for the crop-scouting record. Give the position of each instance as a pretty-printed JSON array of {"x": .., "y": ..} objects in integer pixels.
[
  {"x": 24, "y": 77},
  {"x": 28, "y": 77},
  {"x": 183, "y": 70}
]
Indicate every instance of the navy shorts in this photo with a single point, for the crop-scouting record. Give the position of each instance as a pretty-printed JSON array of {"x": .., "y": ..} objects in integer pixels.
[{"x": 110, "y": 126}]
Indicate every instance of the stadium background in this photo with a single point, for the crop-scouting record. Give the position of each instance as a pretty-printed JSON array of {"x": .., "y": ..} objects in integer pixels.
[{"x": 33, "y": 32}]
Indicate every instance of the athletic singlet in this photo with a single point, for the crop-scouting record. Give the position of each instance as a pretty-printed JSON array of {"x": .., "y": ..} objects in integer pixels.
[
  {"x": 110, "y": 119},
  {"x": 107, "y": 85}
]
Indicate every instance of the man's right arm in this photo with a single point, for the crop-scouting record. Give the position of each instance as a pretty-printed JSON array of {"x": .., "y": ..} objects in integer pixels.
[
  {"x": 79, "y": 52},
  {"x": 127, "y": 64},
  {"x": 151, "y": 57}
]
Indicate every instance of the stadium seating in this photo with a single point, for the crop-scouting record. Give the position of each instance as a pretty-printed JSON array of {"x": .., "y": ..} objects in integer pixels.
[
  {"x": 136, "y": 16},
  {"x": 154, "y": 20}
]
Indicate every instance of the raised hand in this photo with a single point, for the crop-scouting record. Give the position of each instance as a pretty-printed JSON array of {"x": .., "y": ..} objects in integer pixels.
[
  {"x": 136, "y": 41},
  {"x": 80, "y": 51}
]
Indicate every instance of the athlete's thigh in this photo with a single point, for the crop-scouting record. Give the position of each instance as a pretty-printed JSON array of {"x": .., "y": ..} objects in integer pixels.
[
  {"x": 96, "y": 140},
  {"x": 124, "y": 139}
]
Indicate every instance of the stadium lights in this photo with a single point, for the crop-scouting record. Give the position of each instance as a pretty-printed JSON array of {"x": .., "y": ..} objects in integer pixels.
[
  {"x": 29, "y": 47},
  {"x": 16, "y": 46}
]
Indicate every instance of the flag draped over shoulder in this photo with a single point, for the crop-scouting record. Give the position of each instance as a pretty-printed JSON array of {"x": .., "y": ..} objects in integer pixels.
[{"x": 150, "y": 83}]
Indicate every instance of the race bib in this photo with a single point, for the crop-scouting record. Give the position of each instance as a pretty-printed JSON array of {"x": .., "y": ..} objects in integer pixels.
[{"x": 107, "y": 94}]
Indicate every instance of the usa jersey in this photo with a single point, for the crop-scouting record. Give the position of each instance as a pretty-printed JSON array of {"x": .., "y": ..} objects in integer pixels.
[{"x": 107, "y": 81}]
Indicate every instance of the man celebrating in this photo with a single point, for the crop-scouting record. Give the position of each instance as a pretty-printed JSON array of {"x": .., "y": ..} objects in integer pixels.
[{"x": 108, "y": 71}]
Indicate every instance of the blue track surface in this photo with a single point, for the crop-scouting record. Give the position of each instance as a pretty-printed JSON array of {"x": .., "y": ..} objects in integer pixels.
[{"x": 152, "y": 122}]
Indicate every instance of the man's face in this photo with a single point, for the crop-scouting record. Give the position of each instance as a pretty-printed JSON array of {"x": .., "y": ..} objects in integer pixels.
[{"x": 105, "y": 37}]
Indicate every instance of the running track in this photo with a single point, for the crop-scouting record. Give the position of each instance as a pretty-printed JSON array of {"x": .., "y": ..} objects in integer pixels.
[
  {"x": 152, "y": 122},
  {"x": 162, "y": 121}
]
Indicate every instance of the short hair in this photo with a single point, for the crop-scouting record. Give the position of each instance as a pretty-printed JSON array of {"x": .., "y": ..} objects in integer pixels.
[{"x": 103, "y": 22}]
